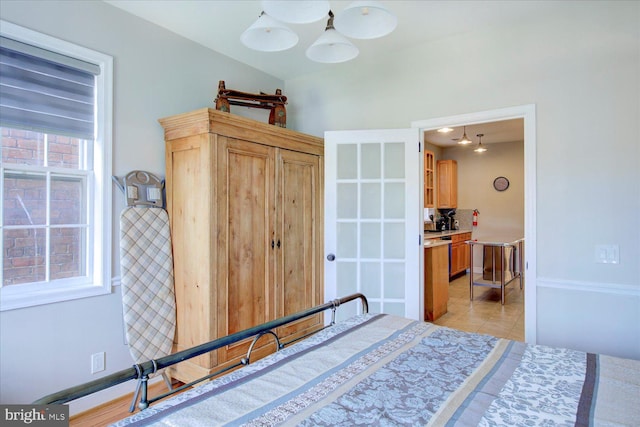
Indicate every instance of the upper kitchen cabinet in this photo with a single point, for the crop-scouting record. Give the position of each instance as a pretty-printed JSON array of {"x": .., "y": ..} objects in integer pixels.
[
  {"x": 428, "y": 179},
  {"x": 447, "y": 184}
]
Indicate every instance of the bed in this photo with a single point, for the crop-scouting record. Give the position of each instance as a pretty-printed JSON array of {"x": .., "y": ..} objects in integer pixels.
[{"x": 379, "y": 369}]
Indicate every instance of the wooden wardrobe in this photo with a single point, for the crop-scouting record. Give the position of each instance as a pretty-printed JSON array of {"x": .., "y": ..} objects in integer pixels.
[{"x": 245, "y": 207}]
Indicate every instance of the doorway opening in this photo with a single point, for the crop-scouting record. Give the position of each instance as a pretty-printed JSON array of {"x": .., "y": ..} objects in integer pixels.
[{"x": 527, "y": 114}]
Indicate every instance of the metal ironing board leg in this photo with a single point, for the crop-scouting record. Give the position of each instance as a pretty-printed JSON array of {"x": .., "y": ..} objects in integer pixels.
[
  {"x": 167, "y": 380},
  {"x": 135, "y": 397}
]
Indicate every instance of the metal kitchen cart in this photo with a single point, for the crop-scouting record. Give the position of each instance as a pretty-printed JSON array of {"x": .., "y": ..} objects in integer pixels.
[{"x": 502, "y": 263}]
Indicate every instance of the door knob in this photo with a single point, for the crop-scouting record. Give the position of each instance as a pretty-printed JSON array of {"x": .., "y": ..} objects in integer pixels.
[{"x": 331, "y": 257}]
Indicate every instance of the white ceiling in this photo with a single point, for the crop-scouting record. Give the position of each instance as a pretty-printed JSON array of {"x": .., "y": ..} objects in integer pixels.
[
  {"x": 494, "y": 132},
  {"x": 217, "y": 24}
]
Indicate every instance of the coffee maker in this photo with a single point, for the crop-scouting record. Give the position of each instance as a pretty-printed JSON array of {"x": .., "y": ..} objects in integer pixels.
[
  {"x": 442, "y": 224},
  {"x": 446, "y": 220}
]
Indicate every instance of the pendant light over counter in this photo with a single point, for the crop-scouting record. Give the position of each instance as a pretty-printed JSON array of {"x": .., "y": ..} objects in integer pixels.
[
  {"x": 359, "y": 20},
  {"x": 465, "y": 139},
  {"x": 480, "y": 148}
]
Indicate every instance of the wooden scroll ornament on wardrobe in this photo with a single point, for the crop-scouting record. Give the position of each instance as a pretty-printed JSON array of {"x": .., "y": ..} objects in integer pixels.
[{"x": 275, "y": 103}]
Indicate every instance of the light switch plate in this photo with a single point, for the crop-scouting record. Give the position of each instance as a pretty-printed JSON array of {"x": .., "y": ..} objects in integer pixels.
[{"x": 607, "y": 254}]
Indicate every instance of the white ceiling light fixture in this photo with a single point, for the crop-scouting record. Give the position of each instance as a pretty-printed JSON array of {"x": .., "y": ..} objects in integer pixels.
[
  {"x": 361, "y": 20},
  {"x": 480, "y": 148},
  {"x": 332, "y": 47},
  {"x": 465, "y": 139},
  {"x": 268, "y": 35},
  {"x": 366, "y": 20},
  {"x": 296, "y": 12}
]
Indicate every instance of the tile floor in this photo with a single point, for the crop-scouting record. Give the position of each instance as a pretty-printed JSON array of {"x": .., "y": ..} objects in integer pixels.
[{"x": 485, "y": 314}]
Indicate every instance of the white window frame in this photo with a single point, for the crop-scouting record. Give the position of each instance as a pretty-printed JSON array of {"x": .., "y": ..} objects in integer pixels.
[{"x": 99, "y": 188}]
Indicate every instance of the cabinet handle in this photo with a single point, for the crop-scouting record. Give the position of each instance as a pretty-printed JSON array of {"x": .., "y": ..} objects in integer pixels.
[
  {"x": 331, "y": 257},
  {"x": 278, "y": 244},
  {"x": 273, "y": 244}
]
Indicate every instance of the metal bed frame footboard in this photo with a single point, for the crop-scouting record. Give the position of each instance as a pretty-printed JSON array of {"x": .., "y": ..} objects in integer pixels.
[{"x": 142, "y": 371}]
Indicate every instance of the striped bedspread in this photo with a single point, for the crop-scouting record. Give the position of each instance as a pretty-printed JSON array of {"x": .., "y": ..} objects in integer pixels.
[{"x": 391, "y": 371}]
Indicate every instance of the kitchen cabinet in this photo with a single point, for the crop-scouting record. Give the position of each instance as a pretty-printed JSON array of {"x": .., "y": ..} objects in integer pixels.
[
  {"x": 436, "y": 280},
  {"x": 459, "y": 254},
  {"x": 429, "y": 179},
  {"x": 245, "y": 205},
  {"x": 447, "y": 184}
]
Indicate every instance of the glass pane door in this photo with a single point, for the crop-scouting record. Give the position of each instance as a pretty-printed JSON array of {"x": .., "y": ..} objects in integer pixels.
[{"x": 372, "y": 219}]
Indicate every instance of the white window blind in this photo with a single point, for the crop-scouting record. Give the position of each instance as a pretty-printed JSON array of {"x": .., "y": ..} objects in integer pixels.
[{"x": 45, "y": 91}]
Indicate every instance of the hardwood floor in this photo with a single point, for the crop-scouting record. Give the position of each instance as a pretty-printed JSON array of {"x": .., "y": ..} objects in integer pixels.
[
  {"x": 485, "y": 314},
  {"x": 112, "y": 411}
]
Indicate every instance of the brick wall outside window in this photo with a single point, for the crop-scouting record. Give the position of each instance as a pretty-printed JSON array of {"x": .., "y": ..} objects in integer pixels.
[{"x": 24, "y": 204}]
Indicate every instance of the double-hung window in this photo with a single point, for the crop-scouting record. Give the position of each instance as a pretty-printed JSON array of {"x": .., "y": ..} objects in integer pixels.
[{"x": 55, "y": 186}]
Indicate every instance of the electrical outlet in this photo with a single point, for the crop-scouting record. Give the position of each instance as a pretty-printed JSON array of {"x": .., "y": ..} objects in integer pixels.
[
  {"x": 607, "y": 254},
  {"x": 97, "y": 362}
]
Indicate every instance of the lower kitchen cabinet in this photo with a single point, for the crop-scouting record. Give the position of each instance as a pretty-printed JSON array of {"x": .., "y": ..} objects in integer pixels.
[
  {"x": 459, "y": 254},
  {"x": 436, "y": 283}
]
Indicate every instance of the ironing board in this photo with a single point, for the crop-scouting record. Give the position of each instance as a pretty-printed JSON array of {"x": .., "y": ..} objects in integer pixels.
[
  {"x": 147, "y": 282},
  {"x": 146, "y": 263}
]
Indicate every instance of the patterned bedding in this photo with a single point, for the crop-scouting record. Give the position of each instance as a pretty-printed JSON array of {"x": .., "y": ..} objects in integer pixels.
[{"x": 390, "y": 371}]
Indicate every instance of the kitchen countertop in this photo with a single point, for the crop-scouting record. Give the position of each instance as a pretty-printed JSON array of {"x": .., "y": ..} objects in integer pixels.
[
  {"x": 435, "y": 243},
  {"x": 497, "y": 241},
  {"x": 433, "y": 239},
  {"x": 438, "y": 234}
]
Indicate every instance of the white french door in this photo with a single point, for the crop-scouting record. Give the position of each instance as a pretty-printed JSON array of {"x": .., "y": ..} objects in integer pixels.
[{"x": 373, "y": 232}]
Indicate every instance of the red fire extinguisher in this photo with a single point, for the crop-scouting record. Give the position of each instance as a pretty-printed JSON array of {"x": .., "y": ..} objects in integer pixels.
[{"x": 475, "y": 217}]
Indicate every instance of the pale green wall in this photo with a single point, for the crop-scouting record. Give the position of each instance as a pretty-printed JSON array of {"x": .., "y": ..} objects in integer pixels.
[
  {"x": 580, "y": 67},
  {"x": 156, "y": 74}
]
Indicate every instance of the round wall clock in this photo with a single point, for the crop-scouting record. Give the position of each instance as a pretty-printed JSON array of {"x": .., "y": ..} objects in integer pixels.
[{"x": 501, "y": 183}]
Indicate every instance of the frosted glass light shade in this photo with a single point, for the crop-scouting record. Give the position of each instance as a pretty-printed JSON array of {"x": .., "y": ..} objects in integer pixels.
[
  {"x": 296, "y": 12},
  {"x": 465, "y": 139},
  {"x": 268, "y": 35},
  {"x": 332, "y": 47},
  {"x": 365, "y": 20},
  {"x": 480, "y": 148}
]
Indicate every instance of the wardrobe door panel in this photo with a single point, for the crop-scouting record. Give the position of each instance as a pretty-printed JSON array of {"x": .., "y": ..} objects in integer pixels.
[
  {"x": 298, "y": 258},
  {"x": 246, "y": 179}
]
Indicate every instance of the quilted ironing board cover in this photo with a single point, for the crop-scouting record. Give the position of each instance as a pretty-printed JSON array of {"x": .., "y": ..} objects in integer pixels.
[{"x": 147, "y": 282}]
